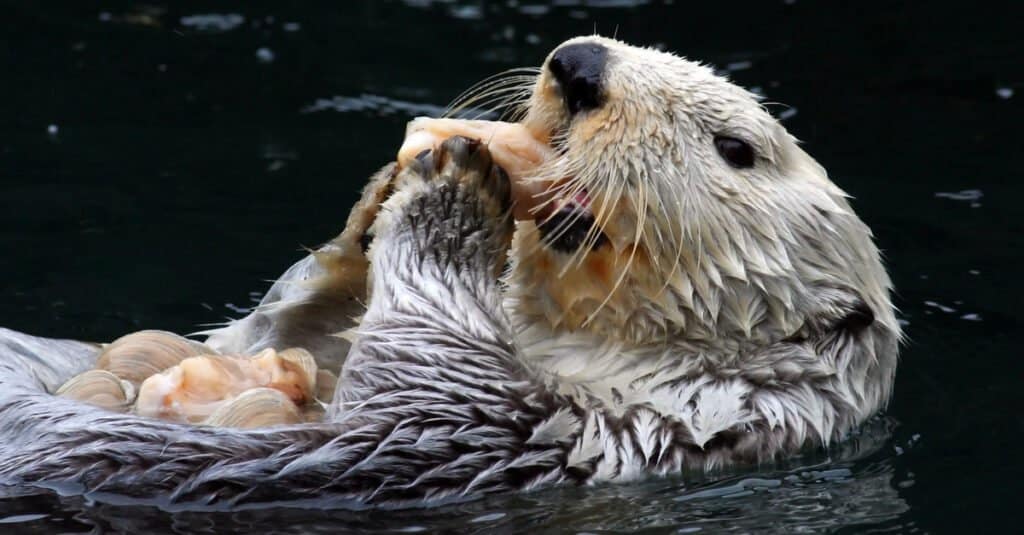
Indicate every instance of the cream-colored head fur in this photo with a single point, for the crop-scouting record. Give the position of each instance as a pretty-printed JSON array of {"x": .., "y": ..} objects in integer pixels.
[{"x": 697, "y": 251}]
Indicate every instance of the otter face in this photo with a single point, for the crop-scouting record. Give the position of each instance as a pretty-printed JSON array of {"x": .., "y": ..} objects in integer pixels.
[{"x": 678, "y": 208}]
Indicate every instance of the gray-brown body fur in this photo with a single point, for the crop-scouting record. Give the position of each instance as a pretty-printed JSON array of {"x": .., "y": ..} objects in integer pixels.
[{"x": 454, "y": 388}]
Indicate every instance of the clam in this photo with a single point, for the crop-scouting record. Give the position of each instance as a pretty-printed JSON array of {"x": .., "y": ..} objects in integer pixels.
[
  {"x": 135, "y": 357},
  {"x": 313, "y": 412},
  {"x": 256, "y": 407},
  {"x": 100, "y": 388},
  {"x": 197, "y": 387}
]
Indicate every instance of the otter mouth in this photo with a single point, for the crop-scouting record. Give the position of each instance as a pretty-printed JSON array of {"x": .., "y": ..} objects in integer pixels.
[{"x": 570, "y": 225}]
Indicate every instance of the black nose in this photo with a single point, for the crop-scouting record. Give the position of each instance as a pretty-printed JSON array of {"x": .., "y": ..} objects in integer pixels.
[{"x": 579, "y": 69}]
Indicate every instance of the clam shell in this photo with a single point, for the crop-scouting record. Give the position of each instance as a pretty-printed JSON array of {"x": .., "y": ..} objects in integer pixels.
[
  {"x": 256, "y": 407},
  {"x": 313, "y": 413},
  {"x": 195, "y": 388},
  {"x": 100, "y": 388},
  {"x": 139, "y": 355},
  {"x": 325, "y": 383}
]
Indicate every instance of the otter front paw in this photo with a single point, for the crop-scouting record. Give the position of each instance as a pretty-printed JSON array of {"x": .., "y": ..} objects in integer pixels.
[
  {"x": 356, "y": 237},
  {"x": 452, "y": 201}
]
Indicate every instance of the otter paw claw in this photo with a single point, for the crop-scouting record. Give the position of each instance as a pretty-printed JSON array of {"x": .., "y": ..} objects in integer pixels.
[
  {"x": 466, "y": 162},
  {"x": 454, "y": 201}
]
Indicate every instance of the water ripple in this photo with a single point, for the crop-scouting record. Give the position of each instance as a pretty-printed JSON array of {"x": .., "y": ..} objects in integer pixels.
[
  {"x": 213, "y": 22},
  {"x": 373, "y": 103}
]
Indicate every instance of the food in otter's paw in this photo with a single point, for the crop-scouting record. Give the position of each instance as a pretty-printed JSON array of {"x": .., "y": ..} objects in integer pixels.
[
  {"x": 512, "y": 146},
  {"x": 199, "y": 386},
  {"x": 100, "y": 388},
  {"x": 136, "y": 356}
]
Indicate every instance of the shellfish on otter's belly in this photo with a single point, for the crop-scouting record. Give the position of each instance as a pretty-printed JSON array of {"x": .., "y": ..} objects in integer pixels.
[{"x": 162, "y": 375}]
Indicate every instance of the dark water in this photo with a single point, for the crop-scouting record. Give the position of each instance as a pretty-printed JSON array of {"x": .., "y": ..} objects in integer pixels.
[{"x": 157, "y": 165}]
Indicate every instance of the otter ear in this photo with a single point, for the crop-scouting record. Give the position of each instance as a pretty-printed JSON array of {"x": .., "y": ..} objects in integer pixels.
[
  {"x": 858, "y": 317},
  {"x": 841, "y": 310}
]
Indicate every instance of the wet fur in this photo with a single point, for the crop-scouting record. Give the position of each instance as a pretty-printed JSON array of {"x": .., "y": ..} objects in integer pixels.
[{"x": 765, "y": 327}]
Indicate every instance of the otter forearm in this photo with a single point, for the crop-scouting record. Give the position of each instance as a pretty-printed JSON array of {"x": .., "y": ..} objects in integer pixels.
[{"x": 434, "y": 355}]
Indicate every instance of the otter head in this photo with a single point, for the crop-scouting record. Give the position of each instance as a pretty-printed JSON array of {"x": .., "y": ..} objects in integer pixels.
[{"x": 679, "y": 209}]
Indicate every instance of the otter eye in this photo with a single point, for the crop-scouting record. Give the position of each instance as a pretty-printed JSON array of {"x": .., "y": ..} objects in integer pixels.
[{"x": 737, "y": 152}]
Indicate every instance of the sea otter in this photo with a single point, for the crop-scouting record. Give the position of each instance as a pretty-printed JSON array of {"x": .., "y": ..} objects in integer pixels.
[{"x": 681, "y": 289}]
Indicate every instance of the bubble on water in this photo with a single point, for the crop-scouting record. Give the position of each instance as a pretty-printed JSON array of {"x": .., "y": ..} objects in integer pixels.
[
  {"x": 52, "y": 129},
  {"x": 1004, "y": 92},
  {"x": 971, "y": 317},
  {"x": 291, "y": 26}
]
